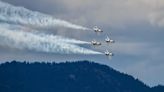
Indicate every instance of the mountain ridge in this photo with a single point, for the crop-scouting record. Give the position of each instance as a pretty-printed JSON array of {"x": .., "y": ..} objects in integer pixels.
[{"x": 82, "y": 76}]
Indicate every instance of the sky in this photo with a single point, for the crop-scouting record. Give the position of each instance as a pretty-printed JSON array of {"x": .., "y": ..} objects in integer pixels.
[{"x": 136, "y": 25}]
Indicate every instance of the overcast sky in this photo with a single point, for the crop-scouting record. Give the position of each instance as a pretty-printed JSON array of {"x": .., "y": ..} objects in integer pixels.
[{"x": 136, "y": 25}]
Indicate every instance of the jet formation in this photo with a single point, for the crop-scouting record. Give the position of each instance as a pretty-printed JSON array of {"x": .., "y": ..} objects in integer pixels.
[{"x": 106, "y": 40}]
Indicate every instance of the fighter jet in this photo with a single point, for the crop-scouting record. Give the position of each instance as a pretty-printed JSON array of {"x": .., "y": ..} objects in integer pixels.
[
  {"x": 108, "y": 40},
  {"x": 96, "y": 29},
  {"x": 107, "y": 53},
  {"x": 95, "y": 43}
]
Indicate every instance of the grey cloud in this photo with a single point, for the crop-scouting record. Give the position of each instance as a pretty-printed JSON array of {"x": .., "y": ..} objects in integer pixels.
[
  {"x": 117, "y": 13},
  {"x": 157, "y": 19}
]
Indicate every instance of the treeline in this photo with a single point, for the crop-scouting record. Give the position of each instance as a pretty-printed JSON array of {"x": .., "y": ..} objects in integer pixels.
[{"x": 80, "y": 76}]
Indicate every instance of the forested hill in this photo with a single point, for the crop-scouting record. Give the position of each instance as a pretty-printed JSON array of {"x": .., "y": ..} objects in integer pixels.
[{"x": 81, "y": 76}]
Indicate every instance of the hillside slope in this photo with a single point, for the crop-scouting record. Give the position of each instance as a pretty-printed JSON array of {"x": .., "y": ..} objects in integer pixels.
[{"x": 66, "y": 77}]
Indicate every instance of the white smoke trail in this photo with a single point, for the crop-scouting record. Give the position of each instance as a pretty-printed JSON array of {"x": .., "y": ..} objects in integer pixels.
[
  {"x": 62, "y": 39},
  {"x": 29, "y": 41},
  {"x": 20, "y": 15},
  {"x": 48, "y": 36}
]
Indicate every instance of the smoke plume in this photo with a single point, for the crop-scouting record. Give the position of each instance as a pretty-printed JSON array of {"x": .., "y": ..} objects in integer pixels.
[
  {"x": 42, "y": 43},
  {"x": 20, "y": 15},
  {"x": 14, "y": 22}
]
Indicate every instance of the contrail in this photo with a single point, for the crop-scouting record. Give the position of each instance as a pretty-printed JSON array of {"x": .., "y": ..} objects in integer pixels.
[
  {"x": 29, "y": 41},
  {"x": 48, "y": 36},
  {"x": 62, "y": 39},
  {"x": 20, "y": 15}
]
